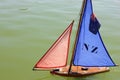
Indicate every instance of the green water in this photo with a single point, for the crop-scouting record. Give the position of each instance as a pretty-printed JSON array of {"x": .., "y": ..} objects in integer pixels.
[{"x": 29, "y": 27}]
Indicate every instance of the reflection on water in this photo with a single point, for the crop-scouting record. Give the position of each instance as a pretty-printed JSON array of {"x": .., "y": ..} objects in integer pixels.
[{"x": 29, "y": 27}]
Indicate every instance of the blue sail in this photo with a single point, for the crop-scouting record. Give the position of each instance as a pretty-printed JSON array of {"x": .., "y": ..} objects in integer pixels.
[{"x": 90, "y": 49}]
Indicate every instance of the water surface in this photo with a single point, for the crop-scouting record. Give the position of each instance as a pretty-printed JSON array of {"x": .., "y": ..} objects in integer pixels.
[{"x": 29, "y": 27}]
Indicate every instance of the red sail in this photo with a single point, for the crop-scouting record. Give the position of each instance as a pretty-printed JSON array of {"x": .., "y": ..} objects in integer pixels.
[{"x": 57, "y": 55}]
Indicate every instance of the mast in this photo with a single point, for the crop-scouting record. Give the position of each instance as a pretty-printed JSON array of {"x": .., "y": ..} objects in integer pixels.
[{"x": 80, "y": 19}]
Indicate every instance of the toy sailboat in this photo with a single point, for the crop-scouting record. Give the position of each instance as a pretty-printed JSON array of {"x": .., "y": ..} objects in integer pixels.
[{"x": 90, "y": 55}]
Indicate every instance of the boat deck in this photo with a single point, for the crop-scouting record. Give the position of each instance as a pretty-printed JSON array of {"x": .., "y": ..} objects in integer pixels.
[{"x": 78, "y": 71}]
